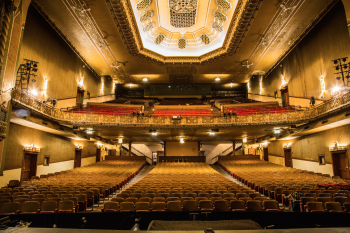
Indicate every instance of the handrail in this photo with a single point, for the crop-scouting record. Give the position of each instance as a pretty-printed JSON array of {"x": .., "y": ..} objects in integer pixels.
[
  {"x": 334, "y": 105},
  {"x": 237, "y": 147}
]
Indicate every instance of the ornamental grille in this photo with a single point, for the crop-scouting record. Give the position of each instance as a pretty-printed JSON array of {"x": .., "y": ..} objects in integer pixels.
[
  {"x": 146, "y": 16},
  {"x": 220, "y": 16},
  {"x": 205, "y": 39},
  {"x": 143, "y": 4},
  {"x": 216, "y": 27},
  {"x": 183, "y": 13},
  {"x": 159, "y": 39},
  {"x": 224, "y": 4},
  {"x": 181, "y": 43},
  {"x": 148, "y": 27}
]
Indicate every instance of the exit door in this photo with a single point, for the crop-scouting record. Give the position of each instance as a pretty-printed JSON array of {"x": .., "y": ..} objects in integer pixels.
[
  {"x": 285, "y": 97},
  {"x": 154, "y": 158},
  {"x": 266, "y": 154},
  {"x": 288, "y": 158},
  {"x": 340, "y": 164},
  {"x": 80, "y": 98},
  {"x": 77, "y": 159},
  {"x": 29, "y": 166},
  {"x": 98, "y": 155}
]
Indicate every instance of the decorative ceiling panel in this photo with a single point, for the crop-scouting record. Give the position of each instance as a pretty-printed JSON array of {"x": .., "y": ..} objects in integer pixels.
[{"x": 183, "y": 13}]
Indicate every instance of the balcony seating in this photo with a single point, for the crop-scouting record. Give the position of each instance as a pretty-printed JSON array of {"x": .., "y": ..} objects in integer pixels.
[
  {"x": 182, "y": 112},
  {"x": 257, "y": 110},
  {"x": 106, "y": 111}
]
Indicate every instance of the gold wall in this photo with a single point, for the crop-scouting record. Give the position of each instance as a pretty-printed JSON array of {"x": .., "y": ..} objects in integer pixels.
[
  {"x": 58, "y": 64},
  {"x": 59, "y": 148},
  {"x": 182, "y": 149}
]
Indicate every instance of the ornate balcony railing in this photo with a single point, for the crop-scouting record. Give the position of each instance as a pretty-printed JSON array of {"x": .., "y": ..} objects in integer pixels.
[{"x": 24, "y": 100}]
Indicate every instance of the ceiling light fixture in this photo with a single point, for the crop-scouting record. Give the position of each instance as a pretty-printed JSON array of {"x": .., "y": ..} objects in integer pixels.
[
  {"x": 145, "y": 79},
  {"x": 231, "y": 85},
  {"x": 89, "y": 132},
  {"x": 217, "y": 79},
  {"x": 211, "y": 133},
  {"x": 130, "y": 85},
  {"x": 277, "y": 131},
  {"x": 120, "y": 140},
  {"x": 244, "y": 139},
  {"x": 182, "y": 140}
]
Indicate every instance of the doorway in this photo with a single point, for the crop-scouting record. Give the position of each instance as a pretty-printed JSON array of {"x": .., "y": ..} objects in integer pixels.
[
  {"x": 77, "y": 159},
  {"x": 285, "y": 97},
  {"x": 154, "y": 158},
  {"x": 340, "y": 164},
  {"x": 266, "y": 154},
  {"x": 98, "y": 155},
  {"x": 288, "y": 158},
  {"x": 80, "y": 98},
  {"x": 29, "y": 166}
]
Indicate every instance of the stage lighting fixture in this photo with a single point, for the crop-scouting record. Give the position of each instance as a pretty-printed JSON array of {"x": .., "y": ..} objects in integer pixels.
[
  {"x": 89, "y": 132},
  {"x": 345, "y": 66},
  {"x": 54, "y": 102},
  {"x": 48, "y": 99},
  {"x": 145, "y": 79}
]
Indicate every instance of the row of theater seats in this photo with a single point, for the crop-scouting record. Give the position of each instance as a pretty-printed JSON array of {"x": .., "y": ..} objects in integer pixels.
[
  {"x": 107, "y": 111},
  {"x": 82, "y": 186},
  {"x": 187, "y": 187},
  {"x": 181, "y": 101},
  {"x": 257, "y": 110},
  {"x": 182, "y": 112},
  {"x": 278, "y": 182}
]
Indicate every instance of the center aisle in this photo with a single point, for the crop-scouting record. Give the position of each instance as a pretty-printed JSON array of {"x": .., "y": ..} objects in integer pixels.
[{"x": 140, "y": 176}]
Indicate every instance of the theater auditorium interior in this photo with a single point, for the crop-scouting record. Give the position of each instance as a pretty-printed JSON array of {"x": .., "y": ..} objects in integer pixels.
[{"x": 174, "y": 115}]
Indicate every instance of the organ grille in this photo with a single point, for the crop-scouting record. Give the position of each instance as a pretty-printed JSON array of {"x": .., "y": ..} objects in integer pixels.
[
  {"x": 216, "y": 27},
  {"x": 159, "y": 39},
  {"x": 181, "y": 43},
  {"x": 220, "y": 16},
  {"x": 147, "y": 15},
  {"x": 143, "y": 4},
  {"x": 205, "y": 39}
]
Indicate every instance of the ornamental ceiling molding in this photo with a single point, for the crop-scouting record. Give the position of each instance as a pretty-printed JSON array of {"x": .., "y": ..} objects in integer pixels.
[
  {"x": 281, "y": 19},
  {"x": 64, "y": 37},
  {"x": 81, "y": 14},
  {"x": 124, "y": 19},
  {"x": 306, "y": 31}
]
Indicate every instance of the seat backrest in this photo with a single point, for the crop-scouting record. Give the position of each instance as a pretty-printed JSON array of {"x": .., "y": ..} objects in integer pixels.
[
  {"x": 304, "y": 200},
  {"x": 81, "y": 197},
  {"x": 151, "y": 195},
  {"x": 271, "y": 205},
  {"x": 174, "y": 206},
  {"x": 74, "y": 199},
  {"x": 145, "y": 199},
  {"x": 30, "y": 207},
  {"x": 205, "y": 205},
  {"x": 66, "y": 205},
  {"x": 315, "y": 206},
  {"x": 159, "y": 199},
  {"x": 111, "y": 206},
  {"x": 49, "y": 206},
  {"x": 131, "y": 199},
  {"x": 142, "y": 206},
  {"x": 239, "y": 195},
  {"x": 334, "y": 206},
  {"x": 237, "y": 205},
  {"x": 254, "y": 205},
  {"x": 117, "y": 199},
  {"x": 323, "y": 199},
  {"x": 57, "y": 200},
  {"x": 158, "y": 206},
  {"x": 221, "y": 205},
  {"x": 190, "y": 205},
  {"x": 126, "y": 206},
  {"x": 9, "y": 208},
  {"x": 172, "y": 199}
]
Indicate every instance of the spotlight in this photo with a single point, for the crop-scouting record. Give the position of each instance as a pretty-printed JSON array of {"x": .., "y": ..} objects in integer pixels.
[
  {"x": 54, "y": 102},
  {"x": 323, "y": 97},
  {"x": 28, "y": 68},
  {"x": 182, "y": 140},
  {"x": 120, "y": 140},
  {"x": 89, "y": 132},
  {"x": 211, "y": 133}
]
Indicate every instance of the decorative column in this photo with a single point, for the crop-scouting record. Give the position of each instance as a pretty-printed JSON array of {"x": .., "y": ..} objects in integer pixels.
[
  {"x": 130, "y": 148},
  {"x": 164, "y": 148},
  {"x": 234, "y": 148},
  {"x": 13, "y": 16}
]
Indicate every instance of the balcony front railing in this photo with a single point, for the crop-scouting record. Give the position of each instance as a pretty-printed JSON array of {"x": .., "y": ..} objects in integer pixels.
[{"x": 24, "y": 100}]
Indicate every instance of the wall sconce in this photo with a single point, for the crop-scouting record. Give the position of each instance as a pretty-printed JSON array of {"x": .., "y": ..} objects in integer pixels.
[
  {"x": 335, "y": 91},
  {"x": 260, "y": 83},
  {"x": 99, "y": 145},
  {"x": 244, "y": 140},
  {"x": 217, "y": 79},
  {"x": 79, "y": 147},
  {"x": 337, "y": 147},
  {"x": 81, "y": 83},
  {"x": 323, "y": 87},
  {"x": 120, "y": 140},
  {"x": 145, "y": 79},
  {"x": 182, "y": 140},
  {"x": 31, "y": 148},
  {"x": 287, "y": 146},
  {"x": 284, "y": 82},
  {"x": 248, "y": 85}
]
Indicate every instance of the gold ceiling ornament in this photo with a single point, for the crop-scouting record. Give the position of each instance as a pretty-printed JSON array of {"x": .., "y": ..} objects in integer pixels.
[
  {"x": 142, "y": 4},
  {"x": 182, "y": 43},
  {"x": 183, "y": 13},
  {"x": 146, "y": 16},
  {"x": 159, "y": 39},
  {"x": 217, "y": 27},
  {"x": 148, "y": 27},
  {"x": 124, "y": 18},
  {"x": 205, "y": 38},
  {"x": 224, "y": 4},
  {"x": 220, "y": 16}
]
